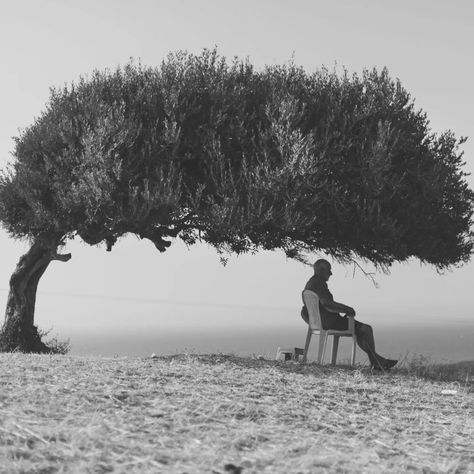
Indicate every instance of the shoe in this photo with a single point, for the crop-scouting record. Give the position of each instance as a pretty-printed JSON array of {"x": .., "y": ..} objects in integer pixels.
[
  {"x": 384, "y": 364},
  {"x": 389, "y": 363}
]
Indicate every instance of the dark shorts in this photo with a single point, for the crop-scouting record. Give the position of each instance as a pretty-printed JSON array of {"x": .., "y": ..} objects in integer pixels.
[
  {"x": 341, "y": 324},
  {"x": 335, "y": 322},
  {"x": 331, "y": 321}
]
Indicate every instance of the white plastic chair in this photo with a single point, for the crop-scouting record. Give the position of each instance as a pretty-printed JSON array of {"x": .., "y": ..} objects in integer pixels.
[{"x": 311, "y": 301}]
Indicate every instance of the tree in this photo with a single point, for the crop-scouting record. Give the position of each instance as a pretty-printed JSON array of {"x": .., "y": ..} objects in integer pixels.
[{"x": 207, "y": 150}]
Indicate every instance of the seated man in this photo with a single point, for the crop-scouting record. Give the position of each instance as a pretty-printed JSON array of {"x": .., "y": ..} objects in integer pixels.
[{"x": 330, "y": 318}]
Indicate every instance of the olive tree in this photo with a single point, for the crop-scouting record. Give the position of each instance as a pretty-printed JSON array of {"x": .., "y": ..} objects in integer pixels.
[{"x": 207, "y": 150}]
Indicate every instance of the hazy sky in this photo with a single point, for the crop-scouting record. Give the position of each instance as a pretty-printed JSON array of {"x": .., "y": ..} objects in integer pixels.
[{"x": 427, "y": 44}]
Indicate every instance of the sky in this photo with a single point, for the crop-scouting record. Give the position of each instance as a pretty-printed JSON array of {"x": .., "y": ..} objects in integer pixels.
[{"x": 425, "y": 43}]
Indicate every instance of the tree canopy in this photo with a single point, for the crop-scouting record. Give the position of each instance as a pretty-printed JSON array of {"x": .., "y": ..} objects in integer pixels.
[{"x": 209, "y": 150}]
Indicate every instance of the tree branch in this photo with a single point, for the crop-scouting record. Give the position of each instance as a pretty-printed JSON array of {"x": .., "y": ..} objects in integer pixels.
[
  {"x": 62, "y": 257},
  {"x": 366, "y": 274}
]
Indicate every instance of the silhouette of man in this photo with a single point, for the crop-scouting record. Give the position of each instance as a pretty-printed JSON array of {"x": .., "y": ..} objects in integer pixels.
[{"x": 331, "y": 319}]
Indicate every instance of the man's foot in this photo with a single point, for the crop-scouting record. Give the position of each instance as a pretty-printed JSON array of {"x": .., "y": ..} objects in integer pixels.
[{"x": 384, "y": 364}]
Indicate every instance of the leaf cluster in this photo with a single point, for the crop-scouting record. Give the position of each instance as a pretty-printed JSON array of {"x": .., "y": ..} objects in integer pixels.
[{"x": 210, "y": 150}]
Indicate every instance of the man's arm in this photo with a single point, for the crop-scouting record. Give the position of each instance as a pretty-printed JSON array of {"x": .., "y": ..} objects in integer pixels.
[{"x": 336, "y": 307}]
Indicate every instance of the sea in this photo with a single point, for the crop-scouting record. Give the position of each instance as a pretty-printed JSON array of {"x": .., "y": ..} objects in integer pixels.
[{"x": 133, "y": 329}]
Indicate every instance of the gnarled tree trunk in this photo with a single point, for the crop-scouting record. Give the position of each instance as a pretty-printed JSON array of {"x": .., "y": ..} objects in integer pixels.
[{"x": 19, "y": 332}]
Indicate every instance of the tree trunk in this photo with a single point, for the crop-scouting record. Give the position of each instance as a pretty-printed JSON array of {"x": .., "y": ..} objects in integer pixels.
[{"x": 19, "y": 332}]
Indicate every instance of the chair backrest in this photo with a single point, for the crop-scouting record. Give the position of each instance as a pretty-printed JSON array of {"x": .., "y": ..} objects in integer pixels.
[{"x": 311, "y": 301}]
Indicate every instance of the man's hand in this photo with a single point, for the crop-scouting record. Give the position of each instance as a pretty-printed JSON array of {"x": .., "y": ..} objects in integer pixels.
[{"x": 350, "y": 311}]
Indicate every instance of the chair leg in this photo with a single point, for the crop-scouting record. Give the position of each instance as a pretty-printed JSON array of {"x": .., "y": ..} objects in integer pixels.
[
  {"x": 322, "y": 346},
  {"x": 306, "y": 346},
  {"x": 277, "y": 354},
  {"x": 335, "y": 344},
  {"x": 353, "y": 358}
]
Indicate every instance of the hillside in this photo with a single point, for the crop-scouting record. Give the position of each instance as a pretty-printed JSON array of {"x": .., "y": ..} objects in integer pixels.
[{"x": 224, "y": 414}]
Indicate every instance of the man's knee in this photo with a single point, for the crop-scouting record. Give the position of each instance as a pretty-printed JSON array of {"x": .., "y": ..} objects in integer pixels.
[{"x": 363, "y": 329}]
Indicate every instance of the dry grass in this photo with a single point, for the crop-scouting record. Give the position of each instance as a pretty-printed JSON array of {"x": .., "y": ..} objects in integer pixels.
[{"x": 224, "y": 414}]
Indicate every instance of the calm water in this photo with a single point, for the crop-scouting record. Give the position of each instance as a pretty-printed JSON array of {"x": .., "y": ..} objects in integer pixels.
[
  {"x": 131, "y": 328},
  {"x": 440, "y": 344},
  {"x": 261, "y": 336}
]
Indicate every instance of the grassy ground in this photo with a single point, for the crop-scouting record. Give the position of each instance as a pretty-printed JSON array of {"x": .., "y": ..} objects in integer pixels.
[{"x": 224, "y": 414}]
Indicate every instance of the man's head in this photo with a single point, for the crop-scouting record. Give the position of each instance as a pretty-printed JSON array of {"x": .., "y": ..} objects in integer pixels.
[{"x": 322, "y": 268}]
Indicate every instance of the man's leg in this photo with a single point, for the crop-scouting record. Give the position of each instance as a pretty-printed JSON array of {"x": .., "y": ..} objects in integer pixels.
[{"x": 365, "y": 340}]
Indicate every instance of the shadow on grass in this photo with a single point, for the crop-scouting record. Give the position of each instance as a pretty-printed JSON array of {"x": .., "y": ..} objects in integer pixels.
[{"x": 418, "y": 366}]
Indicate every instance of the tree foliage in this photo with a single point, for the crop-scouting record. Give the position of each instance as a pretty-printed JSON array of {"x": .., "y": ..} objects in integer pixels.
[{"x": 209, "y": 150}]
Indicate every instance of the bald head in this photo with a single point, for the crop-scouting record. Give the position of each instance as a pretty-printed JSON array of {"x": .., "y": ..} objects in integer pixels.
[{"x": 322, "y": 268}]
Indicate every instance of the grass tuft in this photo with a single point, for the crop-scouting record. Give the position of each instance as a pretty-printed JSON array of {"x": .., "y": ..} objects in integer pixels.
[{"x": 455, "y": 372}]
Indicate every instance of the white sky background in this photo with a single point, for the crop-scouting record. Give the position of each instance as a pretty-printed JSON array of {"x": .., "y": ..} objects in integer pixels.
[{"x": 427, "y": 44}]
